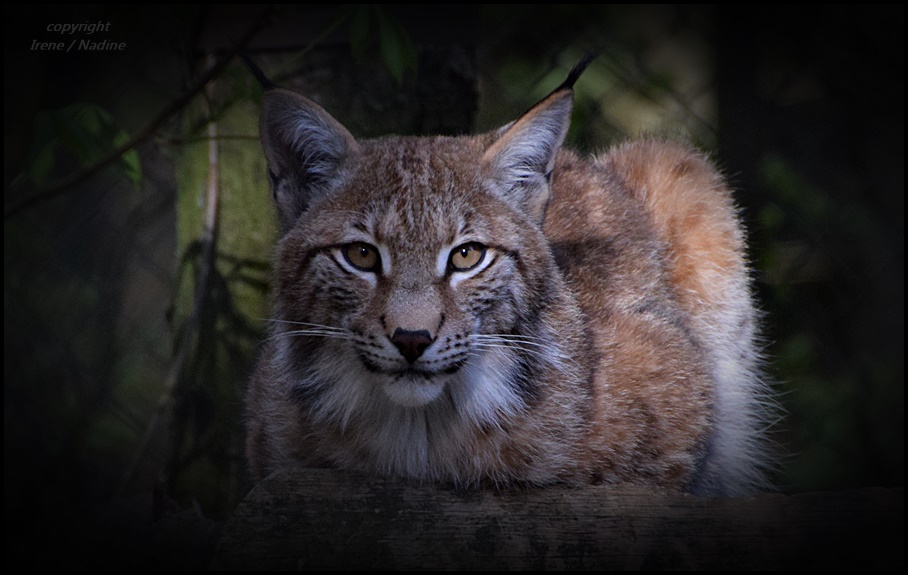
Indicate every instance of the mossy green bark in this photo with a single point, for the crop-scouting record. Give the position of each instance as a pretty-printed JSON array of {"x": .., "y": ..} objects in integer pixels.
[{"x": 220, "y": 306}]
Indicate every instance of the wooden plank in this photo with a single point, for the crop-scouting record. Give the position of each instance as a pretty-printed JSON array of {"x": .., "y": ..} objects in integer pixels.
[{"x": 318, "y": 519}]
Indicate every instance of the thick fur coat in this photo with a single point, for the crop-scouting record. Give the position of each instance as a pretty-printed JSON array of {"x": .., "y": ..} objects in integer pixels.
[{"x": 495, "y": 309}]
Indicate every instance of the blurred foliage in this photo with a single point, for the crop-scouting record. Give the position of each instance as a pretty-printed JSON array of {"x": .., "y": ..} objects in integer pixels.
[
  {"x": 397, "y": 49},
  {"x": 86, "y": 131},
  {"x": 129, "y": 352}
]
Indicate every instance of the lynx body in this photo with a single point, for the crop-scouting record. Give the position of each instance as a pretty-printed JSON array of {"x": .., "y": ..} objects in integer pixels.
[{"x": 494, "y": 309}]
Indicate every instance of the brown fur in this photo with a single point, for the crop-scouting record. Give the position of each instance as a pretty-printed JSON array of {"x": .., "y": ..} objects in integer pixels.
[{"x": 619, "y": 295}]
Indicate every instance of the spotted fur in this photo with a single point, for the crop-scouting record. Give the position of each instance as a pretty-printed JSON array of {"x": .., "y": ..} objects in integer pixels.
[{"x": 494, "y": 309}]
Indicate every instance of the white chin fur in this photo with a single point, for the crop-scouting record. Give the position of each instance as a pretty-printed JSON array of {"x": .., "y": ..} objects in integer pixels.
[{"x": 408, "y": 392}]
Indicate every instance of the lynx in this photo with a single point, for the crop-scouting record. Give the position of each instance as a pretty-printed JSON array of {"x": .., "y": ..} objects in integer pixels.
[{"x": 494, "y": 309}]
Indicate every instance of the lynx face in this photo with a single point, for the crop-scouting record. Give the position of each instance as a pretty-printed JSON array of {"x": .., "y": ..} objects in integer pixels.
[{"x": 413, "y": 275}]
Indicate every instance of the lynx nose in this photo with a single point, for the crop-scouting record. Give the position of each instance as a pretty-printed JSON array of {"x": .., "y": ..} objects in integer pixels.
[{"x": 411, "y": 343}]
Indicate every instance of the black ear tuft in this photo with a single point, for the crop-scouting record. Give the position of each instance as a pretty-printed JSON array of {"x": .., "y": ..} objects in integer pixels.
[{"x": 576, "y": 71}]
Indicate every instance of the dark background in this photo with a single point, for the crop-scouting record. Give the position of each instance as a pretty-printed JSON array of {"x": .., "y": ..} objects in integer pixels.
[{"x": 123, "y": 390}]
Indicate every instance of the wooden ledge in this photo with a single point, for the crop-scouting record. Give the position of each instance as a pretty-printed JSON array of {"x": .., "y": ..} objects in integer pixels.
[{"x": 322, "y": 519}]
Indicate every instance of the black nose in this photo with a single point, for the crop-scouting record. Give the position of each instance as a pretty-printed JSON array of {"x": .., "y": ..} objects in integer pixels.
[{"x": 411, "y": 343}]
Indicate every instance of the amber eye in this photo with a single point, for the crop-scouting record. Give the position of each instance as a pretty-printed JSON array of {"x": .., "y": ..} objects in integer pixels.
[
  {"x": 362, "y": 256},
  {"x": 467, "y": 256}
]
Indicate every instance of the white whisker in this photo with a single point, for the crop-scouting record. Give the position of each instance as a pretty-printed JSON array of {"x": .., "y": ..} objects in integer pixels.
[
  {"x": 311, "y": 330},
  {"x": 528, "y": 344}
]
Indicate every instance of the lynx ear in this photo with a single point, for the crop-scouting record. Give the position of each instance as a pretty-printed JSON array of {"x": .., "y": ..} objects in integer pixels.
[
  {"x": 307, "y": 151},
  {"x": 518, "y": 166}
]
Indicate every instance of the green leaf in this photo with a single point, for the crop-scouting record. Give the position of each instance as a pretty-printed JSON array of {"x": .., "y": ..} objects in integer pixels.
[
  {"x": 81, "y": 130},
  {"x": 397, "y": 48},
  {"x": 129, "y": 162}
]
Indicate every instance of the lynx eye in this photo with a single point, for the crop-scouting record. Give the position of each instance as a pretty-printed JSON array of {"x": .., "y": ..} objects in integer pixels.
[
  {"x": 361, "y": 255},
  {"x": 467, "y": 256}
]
